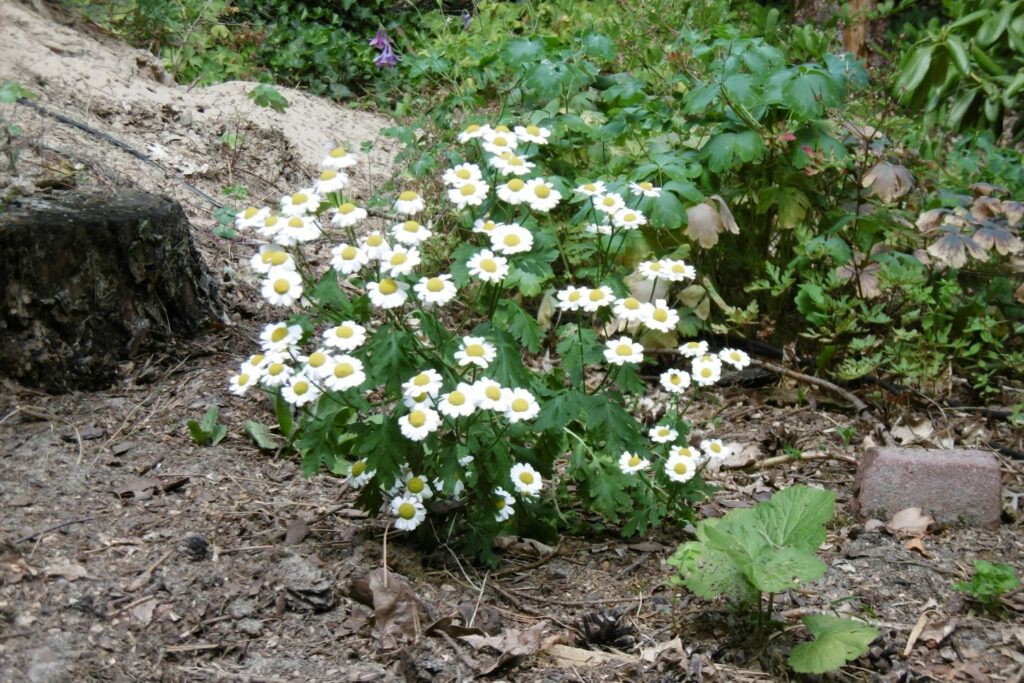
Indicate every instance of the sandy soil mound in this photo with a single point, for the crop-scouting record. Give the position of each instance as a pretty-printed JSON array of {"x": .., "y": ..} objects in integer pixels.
[{"x": 126, "y": 94}]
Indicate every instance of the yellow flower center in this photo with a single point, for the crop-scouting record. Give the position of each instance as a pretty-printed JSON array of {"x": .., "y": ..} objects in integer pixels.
[
  {"x": 678, "y": 268},
  {"x": 472, "y": 128},
  {"x": 475, "y": 350},
  {"x": 676, "y": 379},
  {"x": 411, "y": 226},
  {"x": 663, "y": 433},
  {"x": 408, "y": 196},
  {"x": 735, "y": 356},
  {"x": 457, "y": 398},
  {"x": 463, "y": 174},
  {"x": 277, "y": 258},
  {"x": 520, "y": 405},
  {"x": 422, "y": 379},
  {"x": 270, "y": 222},
  {"x": 716, "y": 448},
  {"x": 406, "y": 510},
  {"x": 488, "y": 226},
  {"x": 338, "y": 152},
  {"x": 275, "y": 369},
  {"x": 608, "y": 201},
  {"x": 398, "y": 259},
  {"x": 542, "y": 191},
  {"x": 328, "y": 174},
  {"x": 349, "y": 253},
  {"x": 347, "y": 207},
  {"x": 681, "y": 468},
  {"x": 243, "y": 379},
  {"x": 417, "y": 418},
  {"x": 706, "y": 372},
  {"x": 435, "y": 284},
  {"x": 489, "y": 265},
  {"x": 499, "y": 502},
  {"x": 296, "y": 222},
  {"x": 343, "y": 370},
  {"x": 532, "y": 130},
  {"x": 301, "y": 387},
  {"x": 624, "y": 350},
  {"x": 415, "y": 485},
  {"x": 628, "y": 217},
  {"x": 634, "y": 461},
  {"x": 387, "y": 286},
  {"x": 467, "y": 190},
  {"x": 316, "y": 359},
  {"x": 574, "y": 296},
  {"x": 660, "y": 314},
  {"x": 596, "y": 295},
  {"x": 631, "y": 304},
  {"x": 515, "y": 161},
  {"x": 250, "y": 212},
  {"x": 655, "y": 266},
  {"x": 516, "y": 184},
  {"x": 511, "y": 240},
  {"x": 492, "y": 392},
  {"x": 256, "y": 360},
  {"x": 499, "y": 141},
  {"x": 506, "y": 155},
  {"x": 344, "y": 331},
  {"x": 501, "y": 128},
  {"x": 590, "y": 187},
  {"x": 526, "y": 478},
  {"x": 646, "y": 186},
  {"x": 358, "y": 468},
  {"x": 299, "y": 198},
  {"x": 281, "y": 286},
  {"x": 374, "y": 240},
  {"x": 278, "y": 334}
]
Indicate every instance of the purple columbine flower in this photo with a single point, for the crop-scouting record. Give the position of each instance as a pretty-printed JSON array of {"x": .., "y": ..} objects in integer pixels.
[
  {"x": 380, "y": 40},
  {"x": 387, "y": 59}
]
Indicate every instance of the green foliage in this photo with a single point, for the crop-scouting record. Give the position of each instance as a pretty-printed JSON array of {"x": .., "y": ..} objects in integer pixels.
[
  {"x": 267, "y": 96},
  {"x": 989, "y": 582},
  {"x": 765, "y": 549},
  {"x": 10, "y": 93},
  {"x": 207, "y": 431},
  {"x": 261, "y": 435},
  {"x": 836, "y": 642}
]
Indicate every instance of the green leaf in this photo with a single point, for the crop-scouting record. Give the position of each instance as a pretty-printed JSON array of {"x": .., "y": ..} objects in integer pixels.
[
  {"x": 599, "y": 47},
  {"x": 328, "y": 293},
  {"x": 388, "y": 355},
  {"x": 209, "y": 420},
  {"x": 267, "y": 96},
  {"x": 793, "y": 206},
  {"x": 521, "y": 50},
  {"x": 668, "y": 212},
  {"x": 836, "y": 642},
  {"x": 809, "y": 91},
  {"x": 559, "y": 410},
  {"x": 796, "y": 517},
  {"x": 11, "y": 92},
  {"x": 958, "y": 54},
  {"x": 727, "y": 150},
  {"x": 283, "y": 411},
  {"x": 709, "y": 572},
  {"x": 199, "y": 435},
  {"x": 741, "y": 89},
  {"x": 779, "y": 569},
  {"x": 914, "y": 72},
  {"x": 261, "y": 436},
  {"x": 521, "y": 324},
  {"x": 218, "y": 434}
]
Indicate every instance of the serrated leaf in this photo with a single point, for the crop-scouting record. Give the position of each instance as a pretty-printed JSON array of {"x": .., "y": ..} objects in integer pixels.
[
  {"x": 521, "y": 324},
  {"x": 559, "y": 410},
  {"x": 796, "y": 516},
  {"x": 809, "y": 91},
  {"x": 836, "y": 642},
  {"x": 521, "y": 50},
  {"x": 726, "y": 150},
  {"x": 265, "y": 95},
  {"x": 779, "y": 569},
  {"x": 261, "y": 436},
  {"x": 709, "y": 572},
  {"x": 667, "y": 212},
  {"x": 599, "y": 46}
]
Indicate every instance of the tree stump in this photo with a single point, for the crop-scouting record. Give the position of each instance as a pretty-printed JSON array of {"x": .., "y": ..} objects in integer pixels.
[{"x": 90, "y": 280}]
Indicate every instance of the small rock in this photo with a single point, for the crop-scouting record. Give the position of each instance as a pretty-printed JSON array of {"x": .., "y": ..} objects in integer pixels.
[{"x": 250, "y": 627}]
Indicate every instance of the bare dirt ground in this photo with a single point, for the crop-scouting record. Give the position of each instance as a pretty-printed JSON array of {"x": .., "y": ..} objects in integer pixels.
[{"x": 130, "y": 553}]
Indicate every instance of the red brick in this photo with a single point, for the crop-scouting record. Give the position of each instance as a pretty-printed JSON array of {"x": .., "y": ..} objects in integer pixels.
[{"x": 951, "y": 485}]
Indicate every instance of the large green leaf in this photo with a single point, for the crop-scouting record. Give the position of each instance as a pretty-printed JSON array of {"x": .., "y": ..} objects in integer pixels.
[
  {"x": 796, "y": 517},
  {"x": 914, "y": 72},
  {"x": 709, "y": 572},
  {"x": 726, "y": 150},
  {"x": 780, "y": 569},
  {"x": 836, "y": 642}
]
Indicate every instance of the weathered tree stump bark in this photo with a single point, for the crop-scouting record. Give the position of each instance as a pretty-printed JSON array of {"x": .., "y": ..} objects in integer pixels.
[{"x": 90, "y": 280}]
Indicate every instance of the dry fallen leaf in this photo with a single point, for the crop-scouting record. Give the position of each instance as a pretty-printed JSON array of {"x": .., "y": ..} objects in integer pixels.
[
  {"x": 910, "y": 521},
  {"x": 296, "y": 532},
  {"x": 888, "y": 181},
  {"x": 395, "y": 606},
  {"x": 72, "y": 571},
  {"x": 705, "y": 221},
  {"x": 512, "y": 645},
  {"x": 917, "y": 545}
]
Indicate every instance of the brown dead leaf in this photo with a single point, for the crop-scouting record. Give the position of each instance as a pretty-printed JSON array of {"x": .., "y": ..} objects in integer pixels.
[
  {"x": 453, "y": 626},
  {"x": 395, "y": 608},
  {"x": 936, "y": 631},
  {"x": 705, "y": 221},
  {"x": 512, "y": 645},
  {"x": 888, "y": 181},
  {"x": 670, "y": 649},
  {"x": 917, "y": 545},
  {"x": 137, "y": 487},
  {"x": 143, "y": 612},
  {"x": 296, "y": 532},
  {"x": 526, "y": 546},
  {"x": 72, "y": 571},
  {"x": 911, "y": 522}
]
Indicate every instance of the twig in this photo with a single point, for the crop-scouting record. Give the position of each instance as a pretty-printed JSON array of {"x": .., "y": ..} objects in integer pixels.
[
  {"x": 780, "y": 459},
  {"x": 133, "y": 603},
  {"x": 48, "y": 529},
  {"x": 145, "y": 576},
  {"x": 479, "y": 597},
  {"x": 533, "y": 565}
]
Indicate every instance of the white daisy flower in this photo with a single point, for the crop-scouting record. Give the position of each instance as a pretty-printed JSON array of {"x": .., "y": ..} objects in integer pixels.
[
  {"x": 652, "y": 270},
  {"x": 623, "y": 350},
  {"x": 347, "y": 215},
  {"x": 598, "y": 229},
  {"x": 462, "y": 173},
  {"x": 331, "y": 181},
  {"x": 282, "y": 287},
  {"x": 410, "y": 232},
  {"x": 300, "y": 390},
  {"x": 503, "y": 505},
  {"x": 644, "y": 189},
  {"x": 496, "y": 142},
  {"x": 475, "y": 351},
  {"x": 631, "y": 463},
  {"x": 472, "y": 132},
  {"x": 435, "y": 291},
  {"x": 428, "y": 381},
  {"x": 630, "y": 309},
  {"x": 675, "y": 381},
  {"x": 346, "y": 373},
  {"x": 597, "y": 298},
  {"x": 459, "y": 402},
  {"x": 487, "y": 266},
  {"x": 662, "y": 434},
  {"x": 271, "y": 256},
  {"x": 520, "y": 405},
  {"x": 276, "y": 373},
  {"x": 680, "y": 469},
  {"x": 419, "y": 423},
  {"x": 684, "y": 451},
  {"x": 628, "y": 219},
  {"x": 514, "y": 192},
  {"x": 241, "y": 382},
  {"x": 511, "y": 238},
  {"x": 526, "y": 480},
  {"x": 534, "y": 134},
  {"x": 375, "y": 246},
  {"x": 676, "y": 270},
  {"x": 734, "y": 357},
  {"x": 485, "y": 225},
  {"x": 470, "y": 193},
  {"x": 270, "y": 226},
  {"x": 251, "y": 217},
  {"x": 318, "y": 364},
  {"x": 660, "y": 317},
  {"x": 408, "y": 511},
  {"x": 693, "y": 349},
  {"x": 511, "y": 164},
  {"x": 490, "y": 395},
  {"x": 594, "y": 189},
  {"x": 571, "y": 298},
  {"x": 542, "y": 195},
  {"x": 714, "y": 449},
  {"x": 346, "y": 336},
  {"x": 399, "y": 260},
  {"x": 255, "y": 364},
  {"x": 422, "y": 399},
  {"x": 706, "y": 370},
  {"x": 280, "y": 337},
  {"x": 416, "y": 485},
  {"x": 609, "y": 202},
  {"x": 359, "y": 475},
  {"x": 387, "y": 293},
  {"x": 302, "y": 202},
  {"x": 409, "y": 203},
  {"x": 347, "y": 259},
  {"x": 339, "y": 158},
  {"x": 297, "y": 230}
]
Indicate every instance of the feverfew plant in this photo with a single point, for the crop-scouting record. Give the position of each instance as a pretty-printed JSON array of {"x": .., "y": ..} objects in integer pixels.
[{"x": 415, "y": 365}]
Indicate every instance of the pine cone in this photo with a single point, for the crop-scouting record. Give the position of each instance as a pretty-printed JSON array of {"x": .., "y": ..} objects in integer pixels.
[{"x": 606, "y": 627}]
